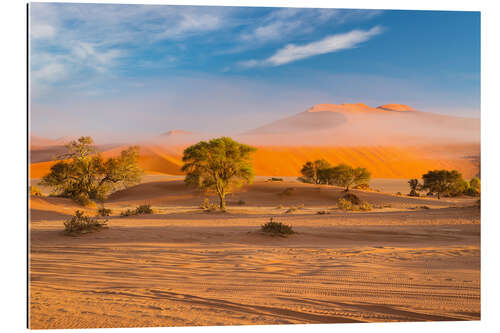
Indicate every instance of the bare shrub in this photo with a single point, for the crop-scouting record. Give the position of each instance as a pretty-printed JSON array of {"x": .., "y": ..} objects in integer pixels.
[
  {"x": 79, "y": 224},
  {"x": 277, "y": 228}
]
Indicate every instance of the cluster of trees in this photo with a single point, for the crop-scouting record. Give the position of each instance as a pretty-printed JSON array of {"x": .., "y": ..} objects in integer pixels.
[
  {"x": 321, "y": 172},
  {"x": 83, "y": 175},
  {"x": 445, "y": 182}
]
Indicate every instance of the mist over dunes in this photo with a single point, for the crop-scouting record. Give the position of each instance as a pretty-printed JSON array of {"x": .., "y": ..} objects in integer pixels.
[{"x": 392, "y": 141}]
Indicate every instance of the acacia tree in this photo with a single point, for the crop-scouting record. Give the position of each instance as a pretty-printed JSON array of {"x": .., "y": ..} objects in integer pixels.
[
  {"x": 315, "y": 172},
  {"x": 84, "y": 175},
  {"x": 345, "y": 175},
  {"x": 218, "y": 165},
  {"x": 414, "y": 187},
  {"x": 443, "y": 181}
]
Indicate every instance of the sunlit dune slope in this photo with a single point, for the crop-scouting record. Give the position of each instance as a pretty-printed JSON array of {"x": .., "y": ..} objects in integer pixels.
[{"x": 382, "y": 161}]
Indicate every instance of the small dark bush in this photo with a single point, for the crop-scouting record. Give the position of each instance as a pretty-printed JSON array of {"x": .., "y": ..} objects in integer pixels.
[
  {"x": 274, "y": 179},
  {"x": 128, "y": 212},
  {"x": 344, "y": 204},
  {"x": 399, "y": 193},
  {"x": 352, "y": 198},
  {"x": 291, "y": 210},
  {"x": 425, "y": 207},
  {"x": 104, "y": 212},
  {"x": 82, "y": 224},
  {"x": 144, "y": 209},
  {"x": 241, "y": 202},
  {"x": 366, "y": 206},
  {"x": 35, "y": 191},
  {"x": 208, "y": 207},
  {"x": 277, "y": 228},
  {"x": 322, "y": 212}
]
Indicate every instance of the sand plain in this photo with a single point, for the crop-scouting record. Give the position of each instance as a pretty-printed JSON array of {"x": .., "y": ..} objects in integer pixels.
[{"x": 410, "y": 259}]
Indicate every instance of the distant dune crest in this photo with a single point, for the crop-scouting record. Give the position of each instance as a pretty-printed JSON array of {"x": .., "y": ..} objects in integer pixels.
[{"x": 392, "y": 140}]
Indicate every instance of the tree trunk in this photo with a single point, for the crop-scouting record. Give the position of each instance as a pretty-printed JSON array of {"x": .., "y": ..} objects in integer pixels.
[
  {"x": 439, "y": 196},
  {"x": 222, "y": 201}
]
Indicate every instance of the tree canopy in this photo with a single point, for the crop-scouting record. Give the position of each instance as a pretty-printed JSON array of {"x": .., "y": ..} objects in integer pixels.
[
  {"x": 84, "y": 175},
  {"x": 444, "y": 182},
  {"x": 218, "y": 165},
  {"x": 315, "y": 172},
  {"x": 345, "y": 175}
]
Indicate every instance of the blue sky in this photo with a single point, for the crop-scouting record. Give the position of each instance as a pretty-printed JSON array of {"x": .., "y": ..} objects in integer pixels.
[{"x": 121, "y": 71}]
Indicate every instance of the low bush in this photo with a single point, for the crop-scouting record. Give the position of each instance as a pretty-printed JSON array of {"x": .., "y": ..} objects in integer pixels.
[
  {"x": 352, "y": 198},
  {"x": 207, "y": 206},
  {"x": 399, "y": 193},
  {"x": 139, "y": 210},
  {"x": 79, "y": 224},
  {"x": 344, "y": 204},
  {"x": 425, "y": 207},
  {"x": 365, "y": 206},
  {"x": 104, "y": 212},
  {"x": 274, "y": 179},
  {"x": 241, "y": 202},
  {"x": 144, "y": 209},
  {"x": 277, "y": 228},
  {"x": 128, "y": 212},
  {"x": 322, "y": 212},
  {"x": 35, "y": 191}
]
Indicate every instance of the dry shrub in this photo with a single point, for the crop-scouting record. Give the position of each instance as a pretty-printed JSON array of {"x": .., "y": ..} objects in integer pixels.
[
  {"x": 104, "y": 212},
  {"x": 344, "y": 204},
  {"x": 352, "y": 198},
  {"x": 81, "y": 224},
  {"x": 365, "y": 206},
  {"x": 144, "y": 209},
  {"x": 277, "y": 228}
]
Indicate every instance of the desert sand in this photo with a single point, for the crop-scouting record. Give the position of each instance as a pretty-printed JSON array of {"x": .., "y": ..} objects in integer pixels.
[{"x": 410, "y": 259}]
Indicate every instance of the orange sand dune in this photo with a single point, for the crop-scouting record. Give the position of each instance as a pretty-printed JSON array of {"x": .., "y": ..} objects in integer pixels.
[{"x": 383, "y": 161}]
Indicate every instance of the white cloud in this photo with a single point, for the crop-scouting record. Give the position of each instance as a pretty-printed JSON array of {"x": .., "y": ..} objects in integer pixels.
[
  {"x": 42, "y": 30},
  {"x": 189, "y": 24},
  {"x": 280, "y": 24},
  {"x": 333, "y": 43},
  {"x": 51, "y": 72}
]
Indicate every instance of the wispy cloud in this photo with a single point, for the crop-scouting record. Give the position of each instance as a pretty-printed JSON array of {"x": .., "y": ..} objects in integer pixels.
[
  {"x": 283, "y": 23},
  {"x": 84, "y": 41},
  {"x": 330, "y": 44}
]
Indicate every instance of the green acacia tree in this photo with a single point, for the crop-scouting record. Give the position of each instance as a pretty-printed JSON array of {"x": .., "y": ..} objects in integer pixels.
[
  {"x": 345, "y": 175},
  {"x": 84, "y": 175},
  {"x": 315, "y": 172},
  {"x": 443, "y": 182},
  {"x": 218, "y": 165}
]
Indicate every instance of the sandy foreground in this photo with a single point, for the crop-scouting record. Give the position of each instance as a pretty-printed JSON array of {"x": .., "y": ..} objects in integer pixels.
[{"x": 410, "y": 259}]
